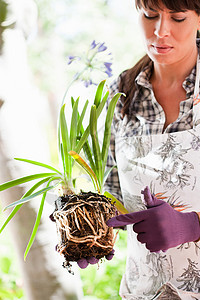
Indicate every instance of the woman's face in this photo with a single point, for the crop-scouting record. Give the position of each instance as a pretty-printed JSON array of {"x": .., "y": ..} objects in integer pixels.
[{"x": 170, "y": 36}]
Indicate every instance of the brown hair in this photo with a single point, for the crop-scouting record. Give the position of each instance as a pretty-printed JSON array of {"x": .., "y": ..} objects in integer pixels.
[
  {"x": 127, "y": 80},
  {"x": 174, "y": 5}
]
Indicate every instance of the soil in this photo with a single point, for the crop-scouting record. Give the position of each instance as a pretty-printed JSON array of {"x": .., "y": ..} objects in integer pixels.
[{"x": 81, "y": 226}]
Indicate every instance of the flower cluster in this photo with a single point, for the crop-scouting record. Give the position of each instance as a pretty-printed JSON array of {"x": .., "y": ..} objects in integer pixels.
[{"x": 94, "y": 63}]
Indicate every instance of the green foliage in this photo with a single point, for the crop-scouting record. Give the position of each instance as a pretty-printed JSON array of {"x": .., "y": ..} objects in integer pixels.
[
  {"x": 5, "y": 22},
  {"x": 10, "y": 283},
  {"x": 9, "y": 289},
  {"x": 103, "y": 282},
  {"x": 3, "y": 11},
  {"x": 98, "y": 155},
  {"x": 70, "y": 138},
  {"x": 99, "y": 283}
]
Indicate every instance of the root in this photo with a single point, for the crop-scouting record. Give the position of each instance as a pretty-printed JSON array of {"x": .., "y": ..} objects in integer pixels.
[{"x": 82, "y": 229}]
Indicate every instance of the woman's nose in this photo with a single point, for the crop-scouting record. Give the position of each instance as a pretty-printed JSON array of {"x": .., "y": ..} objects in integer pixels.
[{"x": 162, "y": 28}]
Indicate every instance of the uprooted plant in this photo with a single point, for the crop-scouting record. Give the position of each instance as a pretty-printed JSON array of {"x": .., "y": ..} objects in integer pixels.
[
  {"x": 80, "y": 218},
  {"x": 93, "y": 209}
]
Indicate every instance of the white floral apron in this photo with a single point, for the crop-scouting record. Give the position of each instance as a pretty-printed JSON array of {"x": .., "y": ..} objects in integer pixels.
[{"x": 168, "y": 163}]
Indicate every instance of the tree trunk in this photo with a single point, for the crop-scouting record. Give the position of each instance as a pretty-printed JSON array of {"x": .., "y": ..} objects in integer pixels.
[
  {"x": 23, "y": 117},
  {"x": 38, "y": 281}
]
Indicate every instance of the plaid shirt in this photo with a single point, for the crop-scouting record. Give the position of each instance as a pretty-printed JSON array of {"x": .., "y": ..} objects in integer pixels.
[{"x": 146, "y": 116}]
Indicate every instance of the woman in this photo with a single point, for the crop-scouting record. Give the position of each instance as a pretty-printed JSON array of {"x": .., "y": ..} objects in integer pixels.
[{"x": 156, "y": 143}]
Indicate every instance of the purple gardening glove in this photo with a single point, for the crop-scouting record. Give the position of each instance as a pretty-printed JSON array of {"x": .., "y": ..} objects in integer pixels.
[
  {"x": 160, "y": 226},
  {"x": 84, "y": 262}
]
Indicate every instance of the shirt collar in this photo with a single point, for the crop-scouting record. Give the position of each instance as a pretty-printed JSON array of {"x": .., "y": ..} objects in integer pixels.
[{"x": 143, "y": 78}]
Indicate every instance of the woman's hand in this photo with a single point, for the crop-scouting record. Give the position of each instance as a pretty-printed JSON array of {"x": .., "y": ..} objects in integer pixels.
[
  {"x": 160, "y": 226},
  {"x": 84, "y": 262}
]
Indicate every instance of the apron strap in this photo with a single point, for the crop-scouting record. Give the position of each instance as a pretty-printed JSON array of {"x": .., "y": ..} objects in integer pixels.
[
  {"x": 196, "y": 97},
  {"x": 197, "y": 81}
]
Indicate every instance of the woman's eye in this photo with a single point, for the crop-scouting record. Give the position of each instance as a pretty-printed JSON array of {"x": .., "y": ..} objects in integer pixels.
[
  {"x": 150, "y": 17},
  {"x": 178, "y": 20}
]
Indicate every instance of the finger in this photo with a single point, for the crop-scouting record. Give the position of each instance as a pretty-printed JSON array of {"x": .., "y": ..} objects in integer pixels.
[
  {"x": 141, "y": 237},
  {"x": 153, "y": 247},
  {"x": 92, "y": 260},
  {"x": 140, "y": 227},
  {"x": 147, "y": 196},
  {"x": 82, "y": 263},
  {"x": 156, "y": 201},
  {"x": 127, "y": 219},
  {"x": 110, "y": 255},
  {"x": 150, "y": 200}
]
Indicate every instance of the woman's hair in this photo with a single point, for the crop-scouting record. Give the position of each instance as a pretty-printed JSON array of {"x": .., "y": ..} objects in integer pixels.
[
  {"x": 127, "y": 80},
  {"x": 174, "y": 5}
]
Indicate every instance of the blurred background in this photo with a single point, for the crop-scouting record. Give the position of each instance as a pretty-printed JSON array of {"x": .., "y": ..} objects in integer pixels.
[{"x": 36, "y": 40}]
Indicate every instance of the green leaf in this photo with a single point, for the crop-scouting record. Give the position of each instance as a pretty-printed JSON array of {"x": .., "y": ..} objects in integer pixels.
[
  {"x": 32, "y": 238},
  {"x": 72, "y": 101},
  {"x": 88, "y": 153},
  {"x": 99, "y": 93},
  {"x": 86, "y": 146},
  {"x": 65, "y": 143},
  {"x": 83, "y": 139},
  {"x": 116, "y": 203},
  {"x": 107, "y": 130},
  {"x": 80, "y": 122},
  {"x": 84, "y": 165},
  {"x": 5, "y": 264},
  {"x": 30, "y": 197},
  {"x": 73, "y": 127},
  {"x": 102, "y": 104},
  {"x": 87, "y": 130},
  {"x": 16, "y": 208},
  {"x": 39, "y": 164},
  {"x": 74, "y": 182},
  {"x": 107, "y": 173},
  {"x": 62, "y": 157},
  {"x": 95, "y": 142},
  {"x": 37, "y": 222},
  {"x": 14, "y": 211},
  {"x": 22, "y": 180}
]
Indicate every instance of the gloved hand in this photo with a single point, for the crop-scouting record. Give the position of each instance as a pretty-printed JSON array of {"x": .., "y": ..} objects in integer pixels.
[
  {"x": 160, "y": 226},
  {"x": 84, "y": 262}
]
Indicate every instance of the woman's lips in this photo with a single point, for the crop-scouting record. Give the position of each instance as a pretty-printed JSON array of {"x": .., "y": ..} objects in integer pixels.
[{"x": 162, "y": 49}]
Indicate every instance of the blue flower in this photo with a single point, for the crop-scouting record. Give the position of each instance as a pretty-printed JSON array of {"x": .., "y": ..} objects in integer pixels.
[
  {"x": 108, "y": 73},
  {"x": 87, "y": 83},
  {"x": 93, "y": 63},
  {"x": 71, "y": 58},
  {"x": 93, "y": 45},
  {"x": 102, "y": 47},
  {"x": 108, "y": 65},
  {"x": 108, "y": 68}
]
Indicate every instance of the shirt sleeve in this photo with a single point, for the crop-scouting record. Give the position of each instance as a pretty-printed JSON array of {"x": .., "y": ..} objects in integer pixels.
[{"x": 112, "y": 184}]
